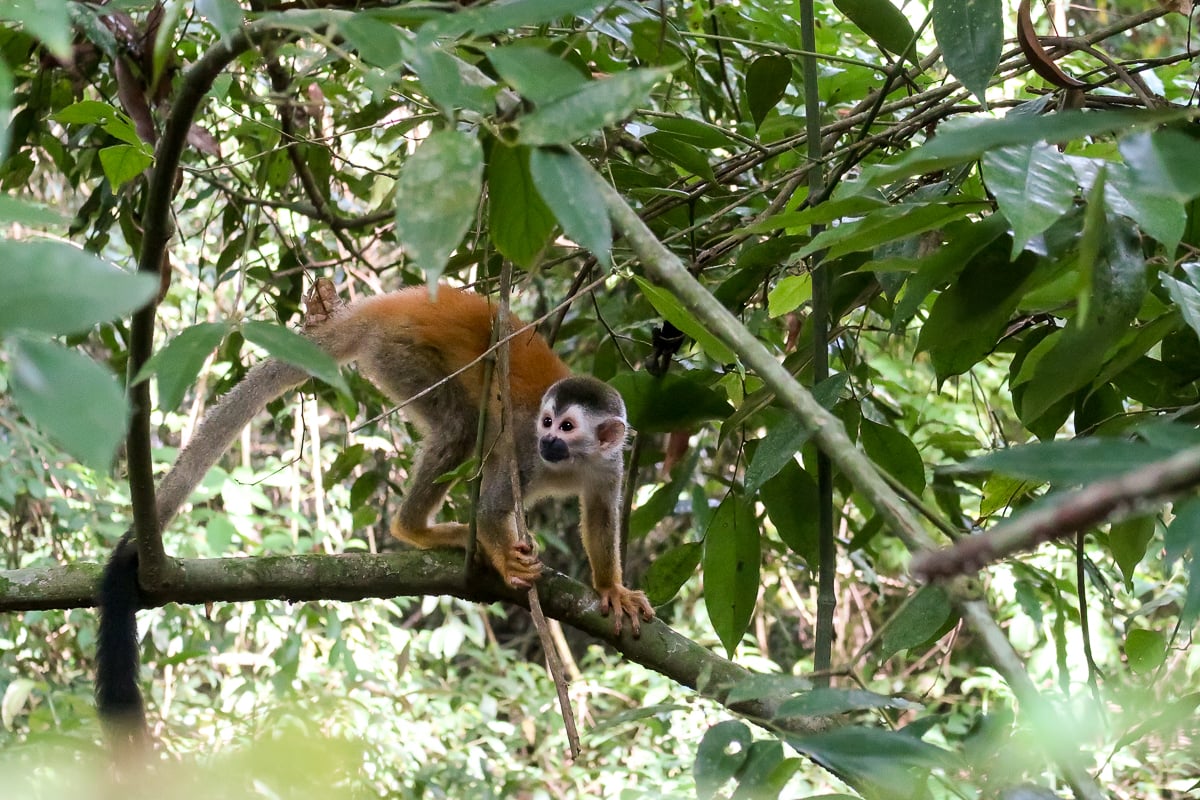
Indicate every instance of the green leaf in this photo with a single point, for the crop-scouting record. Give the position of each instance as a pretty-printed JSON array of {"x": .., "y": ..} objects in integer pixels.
[
  {"x": 452, "y": 83},
  {"x": 673, "y": 311},
  {"x": 594, "y": 106},
  {"x": 731, "y": 566},
  {"x": 967, "y": 319},
  {"x": 789, "y": 294},
  {"x": 225, "y": 15},
  {"x": 1033, "y": 187},
  {"x": 1166, "y": 161},
  {"x": 676, "y": 401},
  {"x": 1183, "y": 534},
  {"x": 1127, "y": 541},
  {"x": 662, "y": 503},
  {"x": 1157, "y": 213},
  {"x": 28, "y": 212},
  {"x": 519, "y": 220},
  {"x": 670, "y": 571},
  {"x": 436, "y": 199},
  {"x": 879, "y": 763},
  {"x": 1187, "y": 297},
  {"x": 886, "y": 225},
  {"x": 792, "y": 503},
  {"x": 720, "y": 756},
  {"x": 292, "y": 348},
  {"x": 178, "y": 364},
  {"x": 566, "y": 182},
  {"x": 783, "y": 439},
  {"x": 377, "y": 41},
  {"x": 883, "y": 22},
  {"x": 49, "y": 21},
  {"x": 6, "y": 106},
  {"x": 536, "y": 74},
  {"x": 124, "y": 162},
  {"x": 72, "y": 398},
  {"x": 690, "y": 158},
  {"x": 826, "y": 702},
  {"x": 971, "y": 36},
  {"x": 924, "y": 616},
  {"x": 1146, "y": 650},
  {"x": 968, "y": 139},
  {"x": 1115, "y": 287},
  {"x": 55, "y": 288},
  {"x": 93, "y": 112},
  {"x": 895, "y": 452},
  {"x": 767, "y": 79},
  {"x": 767, "y": 686},
  {"x": 492, "y": 18},
  {"x": 1072, "y": 461}
]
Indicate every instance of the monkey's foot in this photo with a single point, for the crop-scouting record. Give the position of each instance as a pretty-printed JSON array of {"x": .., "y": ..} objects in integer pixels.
[
  {"x": 321, "y": 303},
  {"x": 518, "y": 565},
  {"x": 626, "y": 603}
]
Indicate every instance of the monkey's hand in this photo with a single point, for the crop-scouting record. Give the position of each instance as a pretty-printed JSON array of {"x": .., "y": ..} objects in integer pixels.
[
  {"x": 321, "y": 303},
  {"x": 518, "y": 565},
  {"x": 626, "y": 603}
]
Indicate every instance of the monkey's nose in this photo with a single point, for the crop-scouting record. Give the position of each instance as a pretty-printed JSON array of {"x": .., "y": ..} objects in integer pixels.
[{"x": 553, "y": 449}]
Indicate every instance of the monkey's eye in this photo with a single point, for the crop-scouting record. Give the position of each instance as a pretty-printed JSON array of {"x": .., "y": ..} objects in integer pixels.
[
  {"x": 547, "y": 422},
  {"x": 567, "y": 426}
]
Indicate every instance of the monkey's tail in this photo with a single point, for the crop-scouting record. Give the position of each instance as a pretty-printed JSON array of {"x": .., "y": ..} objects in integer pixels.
[{"x": 118, "y": 698}]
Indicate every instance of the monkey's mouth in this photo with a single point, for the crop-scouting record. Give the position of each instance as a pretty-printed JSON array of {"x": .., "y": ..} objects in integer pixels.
[{"x": 553, "y": 449}]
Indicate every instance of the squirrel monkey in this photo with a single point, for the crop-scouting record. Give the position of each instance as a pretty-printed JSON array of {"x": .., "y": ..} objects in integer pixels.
[{"x": 568, "y": 437}]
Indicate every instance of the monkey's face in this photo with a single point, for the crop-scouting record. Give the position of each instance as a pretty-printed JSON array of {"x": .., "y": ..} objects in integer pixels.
[{"x": 561, "y": 434}]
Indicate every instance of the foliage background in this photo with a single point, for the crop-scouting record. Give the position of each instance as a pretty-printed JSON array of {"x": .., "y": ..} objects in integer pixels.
[{"x": 986, "y": 294}]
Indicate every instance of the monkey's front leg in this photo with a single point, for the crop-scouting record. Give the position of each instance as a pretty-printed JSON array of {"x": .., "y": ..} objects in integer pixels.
[{"x": 602, "y": 543}]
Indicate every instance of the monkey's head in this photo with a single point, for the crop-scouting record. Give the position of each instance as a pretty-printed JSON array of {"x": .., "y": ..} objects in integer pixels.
[{"x": 582, "y": 419}]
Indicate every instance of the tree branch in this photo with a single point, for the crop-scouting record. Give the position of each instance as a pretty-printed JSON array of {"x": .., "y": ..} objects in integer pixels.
[{"x": 413, "y": 573}]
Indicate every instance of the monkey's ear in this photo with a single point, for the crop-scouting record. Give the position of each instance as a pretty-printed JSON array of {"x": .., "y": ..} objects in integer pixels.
[{"x": 611, "y": 432}]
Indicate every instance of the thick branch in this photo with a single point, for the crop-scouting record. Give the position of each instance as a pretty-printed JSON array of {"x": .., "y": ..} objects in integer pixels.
[
  {"x": 666, "y": 268},
  {"x": 1078, "y": 511},
  {"x": 413, "y": 573}
]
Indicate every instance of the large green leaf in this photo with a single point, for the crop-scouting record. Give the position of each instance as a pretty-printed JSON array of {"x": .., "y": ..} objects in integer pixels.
[
  {"x": 436, "y": 198},
  {"x": 731, "y": 567},
  {"x": 566, "y": 182},
  {"x": 1111, "y": 302},
  {"x": 886, "y": 225},
  {"x": 923, "y": 616},
  {"x": 968, "y": 139},
  {"x": 47, "y": 20},
  {"x": 968, "y": 318},
  {"x": 676, "y": 401},
  {"x": 971, "y": 36},
  {"x": 880, "y": 763},
  {"x": 1072, "y": 461},
  {"x": 518, "y": 218},
  {"x": 785, "y": 436},
  {"x": 767, "y": 79},
  {"x": 720, "y": 756},
  {"x": 895, "y": 452},
  {"x": 1127, "y": 541},
  {"x": 670, "y": 570},
  {"x": 124, "y": 162},
  {"x": 1166, "y": 160},
  {"x": 827, "y": 702},
  {"x": 295, "y": 349},
  {"x": 673, "y": 311},
  {"x": 792, "y": 504},
  {"x": 883, "y": 22},
  {"x": 74, "y": 399},
  {"x": 1033, "y": 187},
  {"x": 55, "y": 288},
  {"x": 594, "y": 106},
  {"x": 178, "y": 364},
  {"x": 536, "y": 74},
  {"x": 489, "y": 18}
]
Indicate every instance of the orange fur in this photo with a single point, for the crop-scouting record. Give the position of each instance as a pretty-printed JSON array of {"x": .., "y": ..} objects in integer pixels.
[{"x": 458, "y": 325}]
